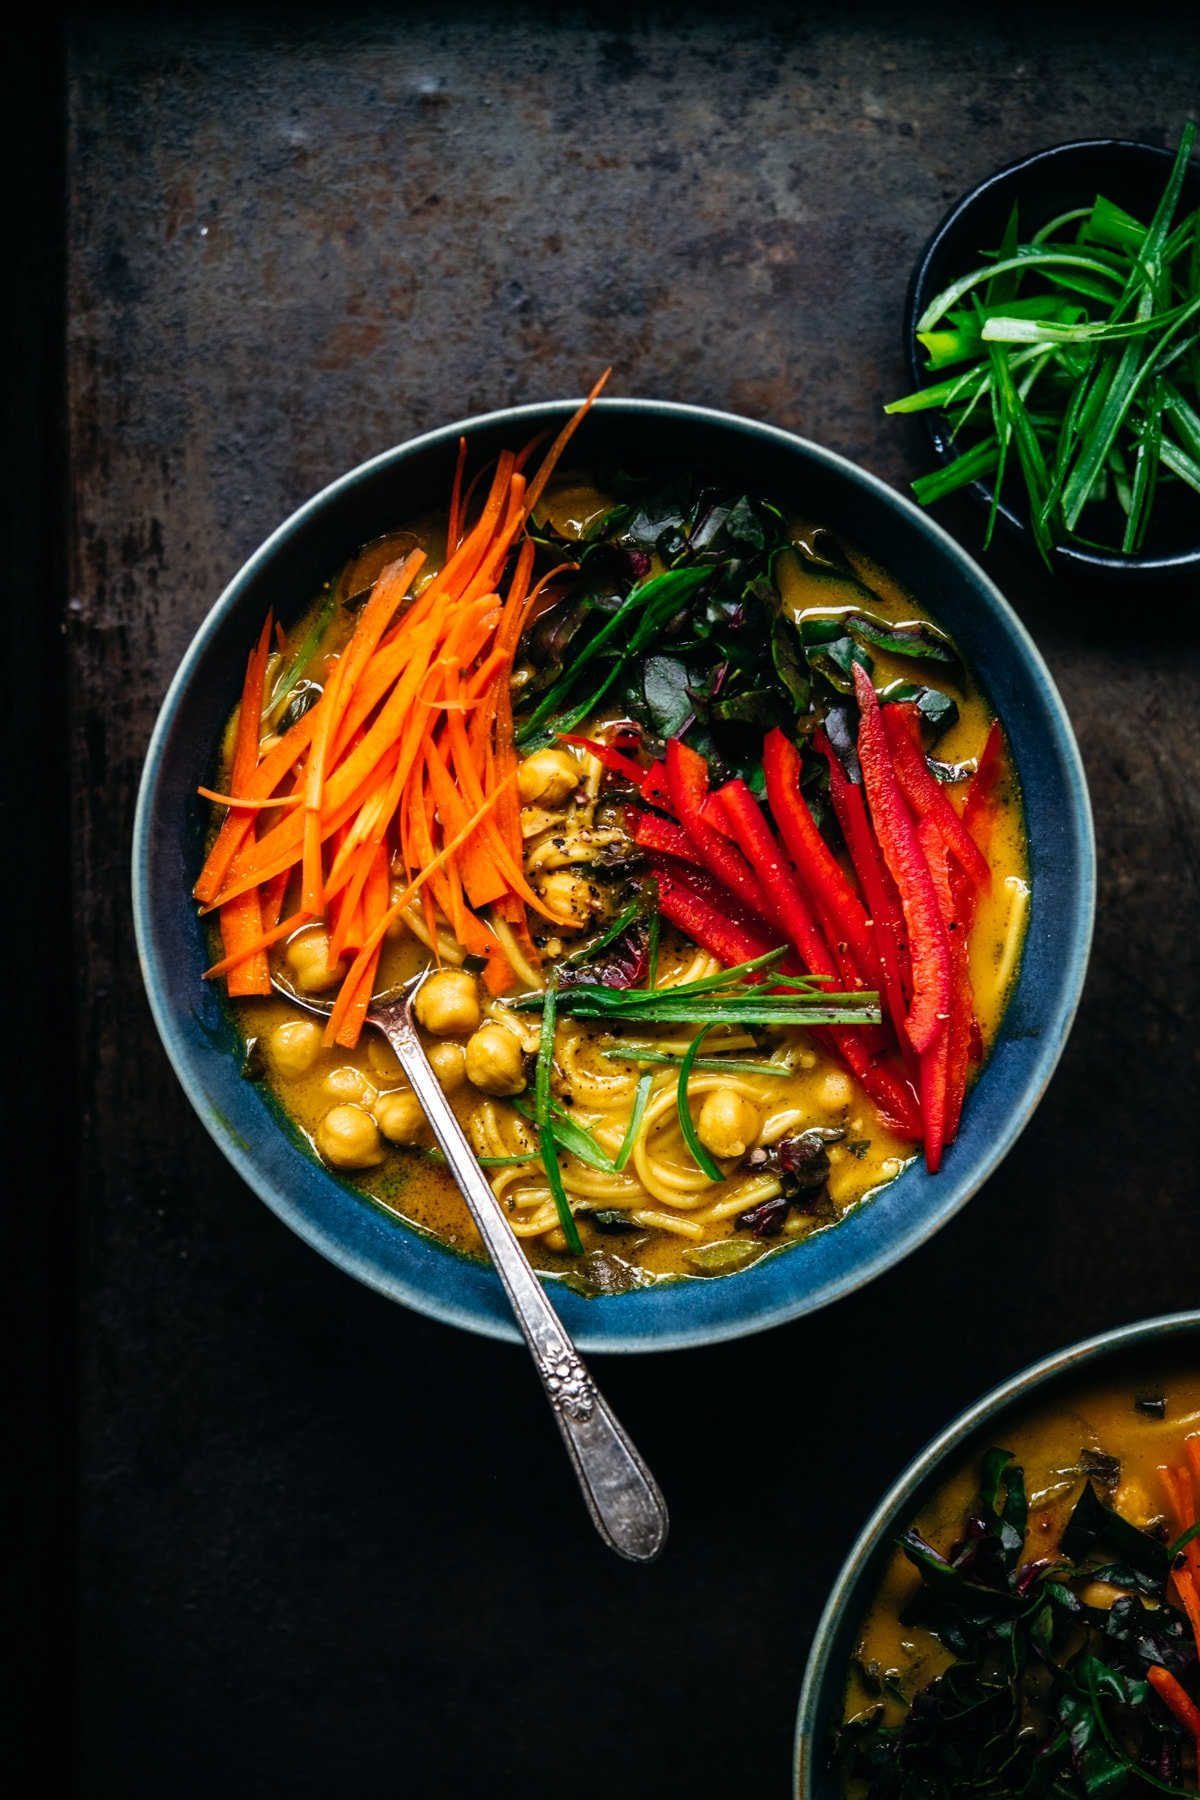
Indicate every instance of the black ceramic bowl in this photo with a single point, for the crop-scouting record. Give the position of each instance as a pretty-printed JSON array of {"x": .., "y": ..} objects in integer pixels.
[{"x": 1044, "y": 185}]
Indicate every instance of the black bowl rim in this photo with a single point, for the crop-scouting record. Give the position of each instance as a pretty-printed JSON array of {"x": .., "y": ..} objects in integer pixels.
[{"x": 1090, "y": 562}]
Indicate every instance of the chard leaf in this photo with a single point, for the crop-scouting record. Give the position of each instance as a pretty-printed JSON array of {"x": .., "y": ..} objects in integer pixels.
[
  {"x": 938, "y": 710},
  {"x": 666, "y": 684},
  {"x": 1093, "y": 1526},
  {"x": 910, "y": 637}
]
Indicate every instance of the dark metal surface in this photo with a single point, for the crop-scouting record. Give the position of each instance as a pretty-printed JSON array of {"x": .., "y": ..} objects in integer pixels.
[{"x": 293, "y": 243}]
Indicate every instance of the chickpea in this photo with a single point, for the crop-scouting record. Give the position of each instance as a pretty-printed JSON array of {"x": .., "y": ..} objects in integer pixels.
[
  {"x": 728, "y": 1124},
  {"x": 1132, "y": 1502},
  {"x": 448, "y": 1003},
  {"x": 570, "y": 897},
  {"x": 351, "y": 1085},
  {"x": 295, "y": 1046},
  {"x": 547, "y": 777},
  {"x": 348, "y": 1138},
  {"x": 449, "y": 1064},
  {"x": 836, "y": 1090},
  {"x": 308, "y": 959},
  {"x": 383, "y": 1059},
  {"x": 400, "y": 1117},
  {"x": 495, "y": 1061}
]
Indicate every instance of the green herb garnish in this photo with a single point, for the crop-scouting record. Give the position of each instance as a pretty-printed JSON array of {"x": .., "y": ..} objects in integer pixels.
[
  {"x": 725, "y": 998},
  {"x": 546, "y": 1139},
  {"x": 1077, "y": 365},
  {"x": 690, "y": 1136}
]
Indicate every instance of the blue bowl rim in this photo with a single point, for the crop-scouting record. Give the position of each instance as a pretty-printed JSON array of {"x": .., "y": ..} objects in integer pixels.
[
  {"x": 610, "y": 1337},
  {"x": 1108, "y": 565},
  {"x": 917, "y": 1478}
]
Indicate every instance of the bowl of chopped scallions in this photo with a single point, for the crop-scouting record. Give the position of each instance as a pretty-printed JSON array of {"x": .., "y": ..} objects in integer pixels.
[{"x": 1053, "y": 333}]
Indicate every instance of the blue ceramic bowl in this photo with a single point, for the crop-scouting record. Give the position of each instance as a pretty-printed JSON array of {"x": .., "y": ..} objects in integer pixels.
[
  {"x": 390, "y": 1256},
  {"x": 1176, "y": 1336}
]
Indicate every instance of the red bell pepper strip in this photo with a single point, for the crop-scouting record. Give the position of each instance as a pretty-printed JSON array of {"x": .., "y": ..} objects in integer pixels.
[
  {"x": 925, "y": 795},
  {"x": 651, "y": 781},
  {"x": 979, "y": 811},
  {"x": 855, "y": 1046},
  {"x": 655, "y": 833},
  {"x": 815, "y": 862},
  {"x": 687, "y": 779},
  {"x": 613, "y": 760},
  {"x": 691, "y": 899},
  {"x": 962, "y": 1000},
  {"x": 788, "y": 904},
  {"x": 935, "y": 1065},
  {"x": 883, "y": 904},
  {"x": 908, "y": 868},
  {"x": 884, "y": 1084}
]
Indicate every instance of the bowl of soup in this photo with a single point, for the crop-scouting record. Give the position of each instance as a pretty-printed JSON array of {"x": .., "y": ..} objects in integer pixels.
[
  {"x": 1023, "y": 1604},
  {"x": 732, "y": 811}
]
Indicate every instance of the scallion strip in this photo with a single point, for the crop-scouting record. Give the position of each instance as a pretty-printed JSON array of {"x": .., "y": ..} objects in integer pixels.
[
  {"x": 690, "y": 1137},
  {"x": 546, "y": 1139},
  {"x": 572, "y": 1137},
  {"x": 640, "y": 1101}
]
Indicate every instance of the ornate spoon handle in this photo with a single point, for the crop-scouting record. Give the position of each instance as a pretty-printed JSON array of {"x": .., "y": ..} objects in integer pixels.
[{"x": 622, "y": 1496}]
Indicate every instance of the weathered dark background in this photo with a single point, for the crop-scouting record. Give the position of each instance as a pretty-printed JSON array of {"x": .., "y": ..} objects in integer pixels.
[{"x": 280, "y": 1537}]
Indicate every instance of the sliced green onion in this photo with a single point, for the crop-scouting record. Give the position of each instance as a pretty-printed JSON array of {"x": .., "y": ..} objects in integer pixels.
[
  {"x": 690, "y": 1138},
  {"x": 640, "y": 1099},
  {"x": 546, "y": 1139}
]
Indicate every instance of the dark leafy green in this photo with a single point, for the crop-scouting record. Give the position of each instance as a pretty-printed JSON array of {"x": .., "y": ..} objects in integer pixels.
[
  {"x": 1047, "y": 1694},
  {"x": 677, "y": 620}
]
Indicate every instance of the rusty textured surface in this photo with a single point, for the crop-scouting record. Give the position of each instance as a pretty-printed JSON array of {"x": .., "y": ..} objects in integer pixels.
[{"x": 328, "y": 1548}]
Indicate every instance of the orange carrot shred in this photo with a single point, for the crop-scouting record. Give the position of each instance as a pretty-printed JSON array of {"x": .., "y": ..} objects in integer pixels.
[{"x": 1173, "y": 1696}]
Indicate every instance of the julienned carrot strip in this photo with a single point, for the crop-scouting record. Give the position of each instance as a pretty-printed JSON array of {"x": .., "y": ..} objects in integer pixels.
[
  {"x": 273, "y": 894},
  {"x": 482, "y": 878},
  {"x": 454, "y": 522},
  {"x": 534, "y": 492},
  {"x": 247, "y": 873},
  {"x": 1185, "y": 1586},
  {"x": 353, "y": 775},
  {"x": 926, "y": 796},
  {"x": 283, "y": 929},
  {"x": 355, "y": 1014},
  {"x": 1191, "y": 1446},
  {"x": 1175, "y": 1698},
  {"x": 396, "y": 909},
  {"x": 897, "y": 838},
  {"x": 386, "y": 750},
  {"x": 237, "y": 827},
  {"x": 241, "y": 921},
  {"x": 236, "y": 801}
]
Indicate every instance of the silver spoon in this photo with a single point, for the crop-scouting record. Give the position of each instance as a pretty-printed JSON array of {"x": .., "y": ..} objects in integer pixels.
[{"x": 622, "y": 1496}]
